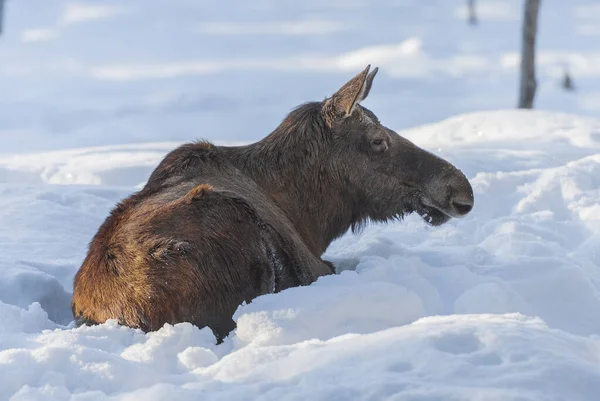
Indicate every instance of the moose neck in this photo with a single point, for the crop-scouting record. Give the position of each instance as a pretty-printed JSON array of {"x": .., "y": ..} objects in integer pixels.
[{"x": 288, "y": 165}]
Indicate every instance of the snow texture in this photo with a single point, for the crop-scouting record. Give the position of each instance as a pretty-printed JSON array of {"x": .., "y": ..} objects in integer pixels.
[{"x": 503, "y": 305}]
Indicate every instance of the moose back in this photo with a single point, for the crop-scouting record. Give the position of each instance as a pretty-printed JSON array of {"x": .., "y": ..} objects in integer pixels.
[{"x": 217, "y": 226}]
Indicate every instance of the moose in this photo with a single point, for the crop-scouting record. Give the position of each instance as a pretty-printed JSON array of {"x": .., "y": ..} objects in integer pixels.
[{"x": 217, "y": 226}]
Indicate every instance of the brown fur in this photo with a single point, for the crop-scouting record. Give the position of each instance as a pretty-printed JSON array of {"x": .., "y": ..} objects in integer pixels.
[{"x": 218, "y": 226}]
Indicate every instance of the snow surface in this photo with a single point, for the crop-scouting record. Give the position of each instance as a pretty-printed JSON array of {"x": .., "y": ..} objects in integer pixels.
[
  {"x": 81, "y": 73},
  {"x": 501, "y": 305}
]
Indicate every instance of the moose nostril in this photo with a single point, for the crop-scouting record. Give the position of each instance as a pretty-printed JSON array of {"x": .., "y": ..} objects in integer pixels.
[{"x": 462, "y": 206}]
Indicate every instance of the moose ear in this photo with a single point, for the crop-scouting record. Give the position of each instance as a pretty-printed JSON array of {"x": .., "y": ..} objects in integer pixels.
[
  {"x": 353, "y": 92},
  {"x": 369, "y": 83}
]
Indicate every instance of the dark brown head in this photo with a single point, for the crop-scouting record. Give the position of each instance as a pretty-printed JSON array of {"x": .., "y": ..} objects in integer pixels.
[{"x": 386, "y": 174}]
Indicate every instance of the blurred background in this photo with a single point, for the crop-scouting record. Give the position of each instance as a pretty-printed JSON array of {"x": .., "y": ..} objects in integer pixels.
[{"x": 79, "y": 74}]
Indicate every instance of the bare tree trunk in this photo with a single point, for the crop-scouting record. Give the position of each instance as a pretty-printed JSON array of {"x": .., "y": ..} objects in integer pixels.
[
  {"x": 528, "y": 82},
  {"x": 472, "y": 12},
  {"x": 1, "y": 15}
]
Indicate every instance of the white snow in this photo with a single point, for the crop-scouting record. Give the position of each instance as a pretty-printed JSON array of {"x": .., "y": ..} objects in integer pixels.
[
  {"x": 305, "y": 27},
  {"x": 82, "y": 12},
  {"x": 38, "y": 35},
  {"x": 492, "y": 11},
  {"x": 501, "y": 305}
]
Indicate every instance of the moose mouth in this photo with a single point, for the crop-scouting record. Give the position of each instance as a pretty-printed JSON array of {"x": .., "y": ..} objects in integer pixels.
[
  {"x": 432, "y": 215},
  {"x": 436, "y": 215}
]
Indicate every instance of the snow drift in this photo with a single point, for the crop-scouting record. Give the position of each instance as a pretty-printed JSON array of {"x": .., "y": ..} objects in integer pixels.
[{"x": 501, "y": 305}]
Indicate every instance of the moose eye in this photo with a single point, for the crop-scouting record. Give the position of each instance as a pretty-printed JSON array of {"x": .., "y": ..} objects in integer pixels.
[{"x": 379, "y": 145}]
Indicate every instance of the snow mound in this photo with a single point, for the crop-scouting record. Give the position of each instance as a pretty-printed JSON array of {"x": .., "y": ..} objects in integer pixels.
[{"x": 501, "y": 305}]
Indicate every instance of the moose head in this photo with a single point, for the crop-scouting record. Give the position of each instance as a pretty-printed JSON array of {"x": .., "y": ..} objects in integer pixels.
[{"x": 332, "y": 165}]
